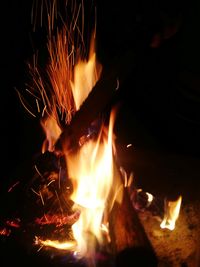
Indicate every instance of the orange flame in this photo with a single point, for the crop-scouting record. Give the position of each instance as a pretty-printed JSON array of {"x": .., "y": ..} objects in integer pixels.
[{"x": 172, "y": 209}]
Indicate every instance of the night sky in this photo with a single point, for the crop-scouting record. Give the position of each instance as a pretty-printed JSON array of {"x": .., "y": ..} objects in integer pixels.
[{"x": 160, "y": 102}]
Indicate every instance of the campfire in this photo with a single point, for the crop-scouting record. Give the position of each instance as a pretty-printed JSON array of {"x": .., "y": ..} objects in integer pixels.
[{"x": 80, "y": 203}]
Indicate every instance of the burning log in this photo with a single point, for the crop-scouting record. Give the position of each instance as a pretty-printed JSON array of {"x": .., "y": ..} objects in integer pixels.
[
  {"x": 130, "y": 242},
  {"x": 101, "y": 96},
  {"x": 127, "y": 233}
]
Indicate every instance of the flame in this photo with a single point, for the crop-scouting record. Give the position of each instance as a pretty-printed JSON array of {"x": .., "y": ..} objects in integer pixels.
[
  {"x": 69, "y": 245},
  {"x": 86, "y": 74},
  {"x": 52, "y": 131},
  {"x": 172, "y": 209},
  {"x": 91, "y": 171}
]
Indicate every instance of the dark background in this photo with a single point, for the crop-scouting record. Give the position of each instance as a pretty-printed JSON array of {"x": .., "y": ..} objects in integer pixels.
[
  {"x": 160, "y": 112},
  {"x": 18, "y": 134}
]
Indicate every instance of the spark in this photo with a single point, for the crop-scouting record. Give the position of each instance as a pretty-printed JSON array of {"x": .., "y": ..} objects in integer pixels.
[
  {"x": 11, "y": 188},
  {"x": 41, "y": 198},
  {"x": 117, "y": 87},
  {"x": 75, "y": 23},
  {"x": 52, "y": 181},
  {"x": 40, "y": 248},
  {"x": 38, "y": 171},
  {"x": 129, "y": 145},
  {"x": 35, "y": 192},
  {"x": 82, "y": 18},
  {"x": 45, "y": 107},
  {"x": 35, "y": 56},
  {"x": 38, "y": 107},
  {"x": 72, "y": 52},
  {"x": 23, "y": 104},
  {"x": 31, "y": 93}
]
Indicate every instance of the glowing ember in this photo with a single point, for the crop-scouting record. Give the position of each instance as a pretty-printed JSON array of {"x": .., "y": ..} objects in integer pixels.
[
  {"x": 58, "y": 220},
  {"x": 13, "y": 223},
  {"x": 172, "y": 209},
  {"x": 5, "y": 232}
]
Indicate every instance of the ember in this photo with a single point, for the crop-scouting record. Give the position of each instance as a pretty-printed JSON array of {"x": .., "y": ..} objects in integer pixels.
[{"x": 57, "y": 220}]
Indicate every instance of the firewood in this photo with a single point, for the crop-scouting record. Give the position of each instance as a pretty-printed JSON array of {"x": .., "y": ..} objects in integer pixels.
[
  {"x": 102, "y": 95},
  {"x": 129, "y": 240}
]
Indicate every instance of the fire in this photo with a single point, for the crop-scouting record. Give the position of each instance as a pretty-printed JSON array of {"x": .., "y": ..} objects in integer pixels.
[
  {"x": 71, "y": 74},
  {"x": 95, "y": 183},
  {"x": 91, "y": 171},
  {"x": 172, "y": 209}
]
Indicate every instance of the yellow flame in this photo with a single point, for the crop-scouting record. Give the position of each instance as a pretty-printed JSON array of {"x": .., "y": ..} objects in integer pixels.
[
  {"x": 86, "y": 74},
  {"x": 91, "y": 171},
  {"x": 172, "y": 209},
  {"x": 68, "y": 245}
]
